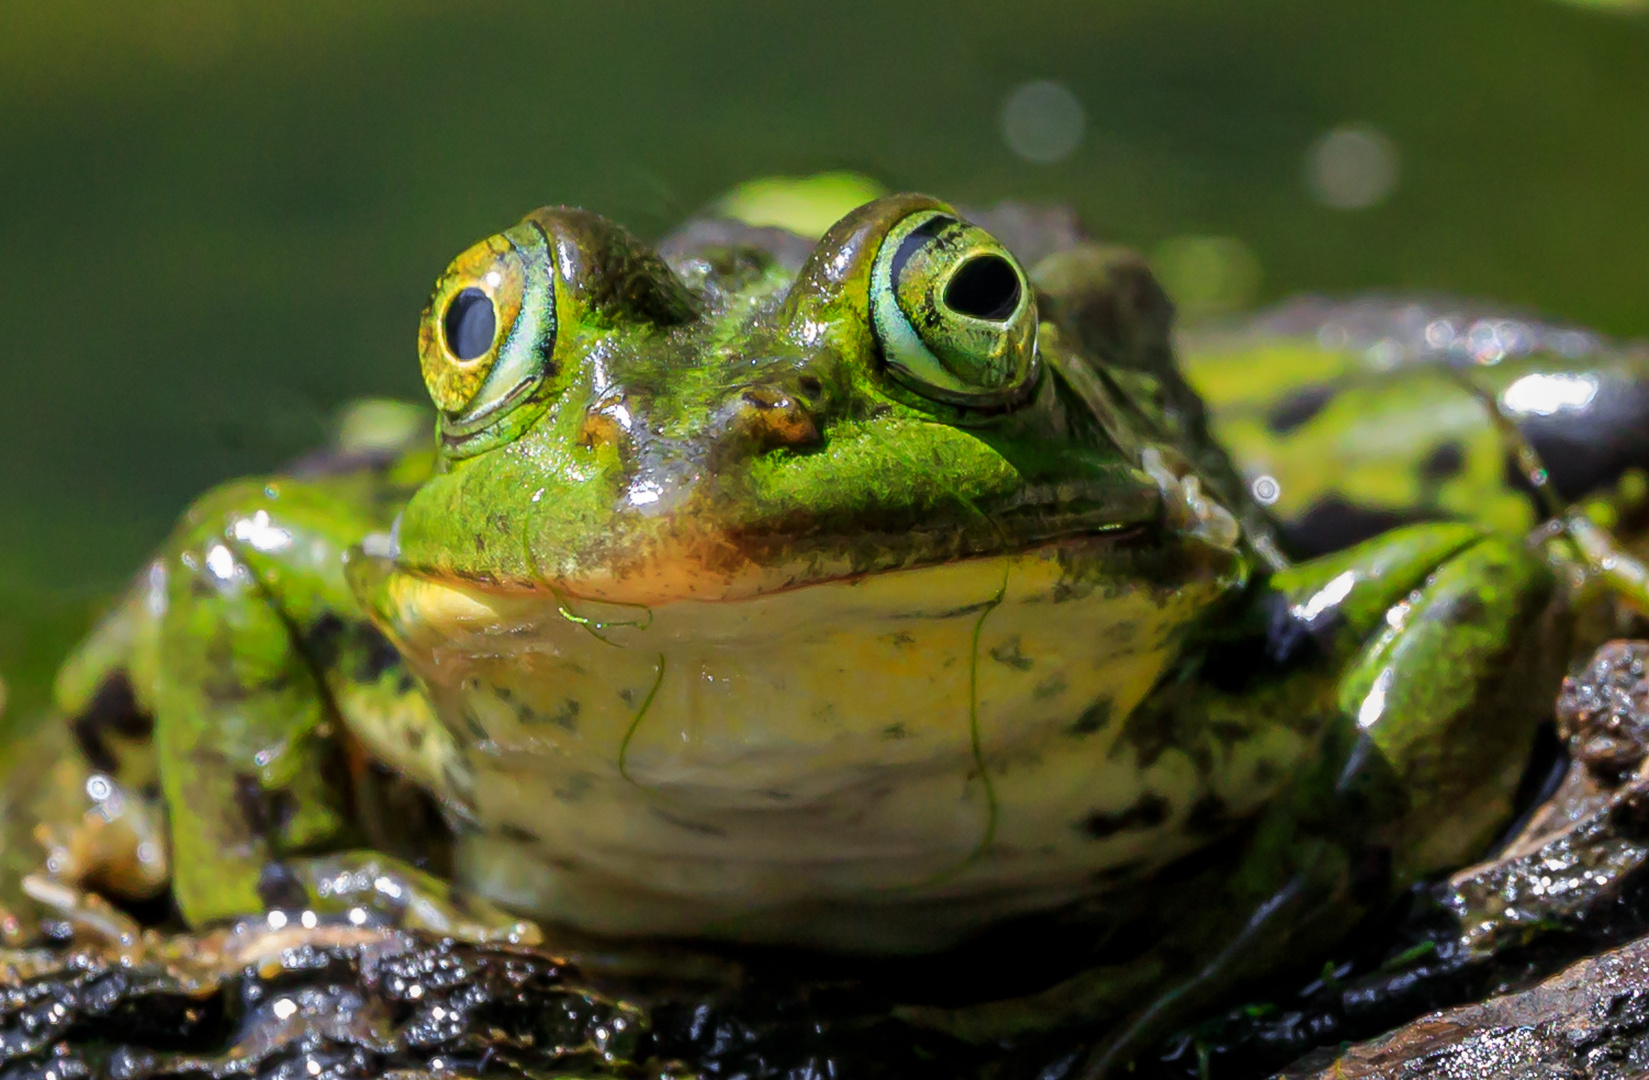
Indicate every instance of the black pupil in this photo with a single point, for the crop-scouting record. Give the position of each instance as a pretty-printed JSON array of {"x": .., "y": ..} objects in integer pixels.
[
  {"x": 986, "y": 287},
  {"x": 470, "y": 324}
]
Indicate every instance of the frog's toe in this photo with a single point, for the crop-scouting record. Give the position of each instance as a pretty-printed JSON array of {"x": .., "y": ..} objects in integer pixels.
[{"x": 363, "y": 885}]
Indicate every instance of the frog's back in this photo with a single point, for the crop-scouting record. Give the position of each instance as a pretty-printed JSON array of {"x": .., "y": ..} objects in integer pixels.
[{"x": 1349, "y": 418}]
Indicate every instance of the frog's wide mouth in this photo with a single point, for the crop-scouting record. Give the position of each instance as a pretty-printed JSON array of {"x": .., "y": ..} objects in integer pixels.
[{"x": 622, "y": 592}]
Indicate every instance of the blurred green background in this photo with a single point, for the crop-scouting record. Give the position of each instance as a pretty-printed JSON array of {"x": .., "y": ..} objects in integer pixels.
[{"x": 220, "y": 219}]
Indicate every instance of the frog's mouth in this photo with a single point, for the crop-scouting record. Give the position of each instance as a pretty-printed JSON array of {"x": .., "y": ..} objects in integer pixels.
[{"x": 717, "y": 556}]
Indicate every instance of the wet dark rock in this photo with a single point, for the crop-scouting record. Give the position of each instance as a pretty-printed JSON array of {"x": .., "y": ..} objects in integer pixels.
[
  {"x": 332, "y": 1001},
  {"x": 1604, "y": 711},
  {"x": 1591, "y": 1020}
]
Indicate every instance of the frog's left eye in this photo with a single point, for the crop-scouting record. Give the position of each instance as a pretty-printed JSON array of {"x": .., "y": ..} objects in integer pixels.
[
  {"x": 487, "y": 340},
  {"x": 953, "y": 312}
]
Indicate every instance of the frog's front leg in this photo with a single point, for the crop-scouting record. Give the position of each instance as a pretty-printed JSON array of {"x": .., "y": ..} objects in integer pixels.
[
  {"x": 1441, "y": 648},
  {"x": 247, "y": 648},
  {"x": 1420, "y": 661}
]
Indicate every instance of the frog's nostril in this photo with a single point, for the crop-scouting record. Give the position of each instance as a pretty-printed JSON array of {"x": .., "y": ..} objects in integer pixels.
[
  {"x": 470, "y": 324},
  {"x": 984, "y": 287}
]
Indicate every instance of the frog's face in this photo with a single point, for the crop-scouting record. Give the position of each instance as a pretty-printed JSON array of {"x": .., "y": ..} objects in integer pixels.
[{"x": 618, "y": 429}]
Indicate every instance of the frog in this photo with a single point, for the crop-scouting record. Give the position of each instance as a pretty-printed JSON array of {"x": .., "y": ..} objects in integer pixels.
[{"x": 882, "y": 593}]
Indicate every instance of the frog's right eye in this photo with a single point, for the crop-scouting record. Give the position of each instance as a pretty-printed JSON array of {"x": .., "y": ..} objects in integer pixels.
[{"x": 487, "y": 340}]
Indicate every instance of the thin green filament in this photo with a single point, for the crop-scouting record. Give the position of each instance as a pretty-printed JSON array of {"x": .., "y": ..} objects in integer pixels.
[
  {"x": 595, "y": 627},
  {"x": 974, "y": 736},
  {"x": 630, "y": 732}
]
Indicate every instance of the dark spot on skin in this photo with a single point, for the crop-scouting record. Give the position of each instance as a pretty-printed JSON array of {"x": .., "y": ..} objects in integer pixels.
[
  {"x": 265, "y": 812},
  {"x": 1279, "y": 642},
  {"x": 1008, "y": 653},
  {"x": 280, "y": 888},
  {"x": 405, "y": 683},
  {"x": 112, "y": 710},
  {"x": 1147, "y": 812},
  {"x": 627, "y": 695},
  {"x": 1333, "y": 523},
  {"x": 566, "y": 717},
  {"x": 323, "y": 641},
  {"x": 777, "y": 795},
  {"x": 502, "y": 693},
  {"x": 1093, "y": 718},
  {"x": 516, "y": 834},
  {"x": 1051, "y": 687},
  {"x": 221, "y": 686},
  {"x": 572, "y": 789},
  {"x": 1445, "y": 461},
  {"x": 971, "y": 609},
  {"x": 415, "y": 738},
  {"x": 377, "y": 654},
  {"x": 473, "y": 723},
  {"x": 1298, "y": 408},
  {"x": 1465, "y": 610},
  {"x": 894, "y": 731},
  {"x": 901, "y": 640},
  {"x": 1208, "y": 815},
  {"x": 691, "y": 826}
]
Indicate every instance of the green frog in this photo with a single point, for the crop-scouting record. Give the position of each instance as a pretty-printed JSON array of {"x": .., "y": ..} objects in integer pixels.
[{"x": 885, "y": 592}]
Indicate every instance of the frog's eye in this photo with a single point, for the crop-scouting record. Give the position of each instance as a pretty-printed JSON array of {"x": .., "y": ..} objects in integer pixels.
[
  {"x": 953, "y": 312},
  {"x": 487, "y": 340}
]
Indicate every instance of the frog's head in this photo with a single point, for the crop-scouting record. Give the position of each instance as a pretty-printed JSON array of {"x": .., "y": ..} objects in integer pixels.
[{"x": 615, "y": 425}]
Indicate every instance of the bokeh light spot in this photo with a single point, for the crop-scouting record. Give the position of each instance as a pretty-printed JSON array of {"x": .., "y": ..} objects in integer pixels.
[
  {"x": 1207, "y": 275},
  {"x": 1352, "y": 168},
  {"x": 1043, "y": 122}
]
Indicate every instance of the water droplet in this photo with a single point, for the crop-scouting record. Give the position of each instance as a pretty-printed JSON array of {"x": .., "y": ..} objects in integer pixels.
[{"x": 1207, "y": 275}]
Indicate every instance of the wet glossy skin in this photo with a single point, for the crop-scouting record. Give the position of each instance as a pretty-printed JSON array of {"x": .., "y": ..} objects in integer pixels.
[{"x": 859, "y": 604}]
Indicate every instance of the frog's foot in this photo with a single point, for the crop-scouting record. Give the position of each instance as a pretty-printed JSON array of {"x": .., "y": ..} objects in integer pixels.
[
  {"x": 365, "y": 886},
  {"x": 89, "y": 915}
]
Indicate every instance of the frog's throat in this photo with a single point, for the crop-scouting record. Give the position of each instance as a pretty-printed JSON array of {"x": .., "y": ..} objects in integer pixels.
[{"x": 930, "y": 715}]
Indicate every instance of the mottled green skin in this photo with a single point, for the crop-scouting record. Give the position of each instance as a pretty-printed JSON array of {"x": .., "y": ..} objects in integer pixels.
[
  {"x": 1358, "y": 412},
  {"x": 724, "y": 428}
]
